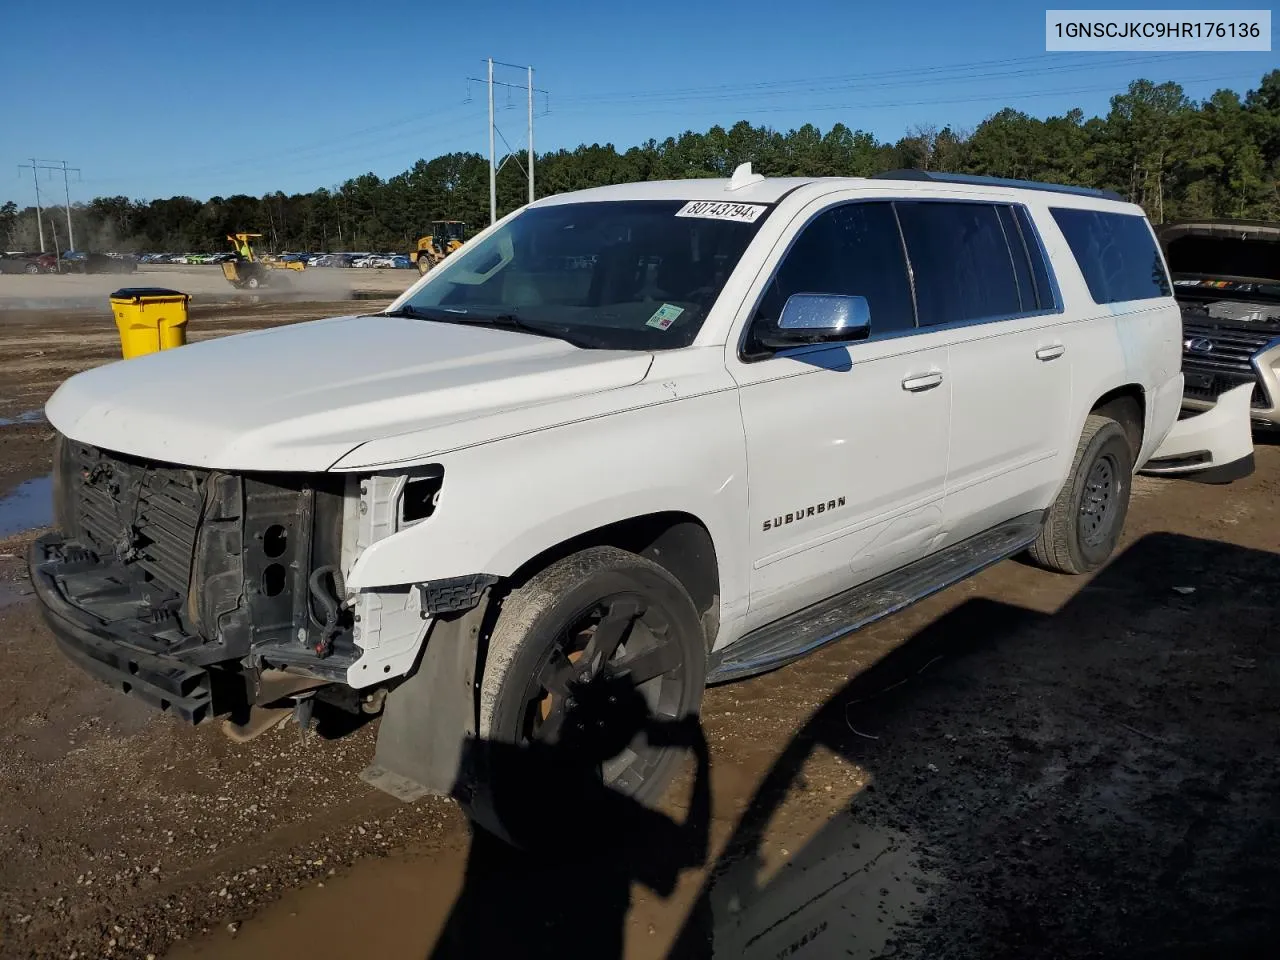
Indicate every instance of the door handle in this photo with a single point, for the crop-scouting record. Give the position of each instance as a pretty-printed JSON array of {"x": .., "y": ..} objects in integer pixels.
[
  {"x": 922, "y": 381},
  {"x": 1051, "y": 353}
]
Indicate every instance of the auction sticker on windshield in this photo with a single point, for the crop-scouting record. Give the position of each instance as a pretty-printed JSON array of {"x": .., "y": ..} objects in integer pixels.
[
  {"x": 721, "y": 210},
  {"x": 664, "y": 316}
]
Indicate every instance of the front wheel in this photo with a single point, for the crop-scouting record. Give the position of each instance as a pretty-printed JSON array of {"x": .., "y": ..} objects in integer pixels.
[
  {"x": 1086, "y": 520},
  {"x": 32, "y": 268},
  {"x": 600, "y": 655},
  {"x": 253, "y": 283}
]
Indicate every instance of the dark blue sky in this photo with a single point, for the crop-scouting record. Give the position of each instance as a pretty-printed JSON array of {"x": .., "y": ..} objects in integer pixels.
[{"x": 153, "y": 99}]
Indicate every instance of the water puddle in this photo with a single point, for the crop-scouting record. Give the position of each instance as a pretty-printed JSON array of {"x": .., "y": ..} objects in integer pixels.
[
  {"x": 28, "y": 506},
  {"x": 26, "y": 416}
]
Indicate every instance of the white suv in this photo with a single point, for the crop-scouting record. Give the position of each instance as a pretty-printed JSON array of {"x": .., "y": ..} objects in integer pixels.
[{"x": 655, "y": 435}]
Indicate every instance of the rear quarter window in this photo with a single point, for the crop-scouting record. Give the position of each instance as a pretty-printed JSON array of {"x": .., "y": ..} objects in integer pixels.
[{"x": 1117, "y": 254}]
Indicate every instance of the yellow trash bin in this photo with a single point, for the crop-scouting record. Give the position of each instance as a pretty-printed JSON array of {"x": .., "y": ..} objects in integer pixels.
[{"x": 150, "y": 319}]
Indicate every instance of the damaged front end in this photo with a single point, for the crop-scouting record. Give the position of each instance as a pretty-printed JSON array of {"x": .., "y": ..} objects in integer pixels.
[
  {"x": 1226, "y": 276},
  {"x": 202, "y": 592}
]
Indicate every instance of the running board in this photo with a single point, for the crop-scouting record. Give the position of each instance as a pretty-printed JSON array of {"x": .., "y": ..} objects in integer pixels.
[{"x": 801, "y": 633}]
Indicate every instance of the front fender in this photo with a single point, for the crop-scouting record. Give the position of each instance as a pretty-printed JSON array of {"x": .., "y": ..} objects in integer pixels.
[{"x": 505, "y": 502}]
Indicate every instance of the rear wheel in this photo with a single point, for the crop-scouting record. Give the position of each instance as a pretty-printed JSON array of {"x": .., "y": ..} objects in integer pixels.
[
  {"x": 31, "y": 268},
  {"x": 252, "y": 283},
  {"x": 592, "y": 651},
  {"x": 1086, "y": 520}
]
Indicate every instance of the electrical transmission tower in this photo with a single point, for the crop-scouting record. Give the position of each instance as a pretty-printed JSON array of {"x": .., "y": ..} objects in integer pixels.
[
  {"x": 495, "y": 132},
  {"x": 35, "y": 166}
]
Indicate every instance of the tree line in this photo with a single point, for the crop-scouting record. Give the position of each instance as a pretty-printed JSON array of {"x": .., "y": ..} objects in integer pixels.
[{"x": 1176, "y": 157}]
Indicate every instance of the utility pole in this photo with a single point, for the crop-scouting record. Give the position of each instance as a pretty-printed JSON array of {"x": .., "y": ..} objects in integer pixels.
[
  {"x": 531, "y": 134},
  {"x": 35, "y": 175},
  {"x": 35, "y": 166},
  {"x": 66, "y": 189},
  {"x": 495, "y": 133},
  {"x": 493, "y": 171}
]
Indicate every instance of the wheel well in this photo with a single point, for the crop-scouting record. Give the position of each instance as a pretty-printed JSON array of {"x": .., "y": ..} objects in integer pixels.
[
  {"x": 1126, "y": 405},
  {"x": 678, "y": 542}
]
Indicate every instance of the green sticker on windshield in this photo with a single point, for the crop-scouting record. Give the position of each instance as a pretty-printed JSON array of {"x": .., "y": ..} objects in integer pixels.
[{"x": 664, "y": 316}]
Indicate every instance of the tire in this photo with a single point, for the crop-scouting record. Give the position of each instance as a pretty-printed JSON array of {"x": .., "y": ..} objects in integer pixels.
[
  {"x": 544, "y": 634},
  {"x": 253, "y": 283},
  {"x": 31, "y": 268},
  {"x": 1086, "y": 520}
]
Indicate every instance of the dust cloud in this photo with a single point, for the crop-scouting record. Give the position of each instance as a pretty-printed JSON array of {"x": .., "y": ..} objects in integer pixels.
[{"x": 204, "y": 283}]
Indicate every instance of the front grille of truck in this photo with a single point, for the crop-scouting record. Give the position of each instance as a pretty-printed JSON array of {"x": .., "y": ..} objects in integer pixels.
[
  {"x": 1226, "y": 364},
  {"x": 134, "y": 511},
  {"x": 202, "y": 564}
]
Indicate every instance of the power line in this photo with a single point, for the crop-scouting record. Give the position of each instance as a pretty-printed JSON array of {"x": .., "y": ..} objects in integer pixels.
[
  {"x": 972, "y": 72},
  {"x": 352, "y": 140},
  {"x": 932, "y": 101}
]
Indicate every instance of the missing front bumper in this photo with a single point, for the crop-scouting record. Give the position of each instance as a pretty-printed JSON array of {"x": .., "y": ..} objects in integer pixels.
[
  {"x": 1215, "y": 446},
  {"x": 125, "y": 658}
]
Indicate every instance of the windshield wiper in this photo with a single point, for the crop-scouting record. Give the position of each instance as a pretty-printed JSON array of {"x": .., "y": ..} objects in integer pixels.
[
  {"x": 408, "y": 310},
  {"x": 503, "y": 321},
  {"x": 559, "y": 331}
]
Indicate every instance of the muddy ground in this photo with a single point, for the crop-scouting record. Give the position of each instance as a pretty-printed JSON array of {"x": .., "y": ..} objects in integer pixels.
[{"x": 1026, "y": 765}]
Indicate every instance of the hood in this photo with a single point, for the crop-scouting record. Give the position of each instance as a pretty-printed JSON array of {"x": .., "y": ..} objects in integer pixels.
[
  {"x": 1240, "y": 251},
  {"x": 301, "y": 397}
]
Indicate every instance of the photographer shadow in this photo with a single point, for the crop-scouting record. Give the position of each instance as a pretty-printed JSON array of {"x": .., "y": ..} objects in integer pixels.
[
  {"x": 1069, "y": 784},
  {"x": 555, "y": 851}
]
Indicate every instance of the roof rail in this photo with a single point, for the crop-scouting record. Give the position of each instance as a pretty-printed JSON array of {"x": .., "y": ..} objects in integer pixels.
[{"x": 939, "y": 177}]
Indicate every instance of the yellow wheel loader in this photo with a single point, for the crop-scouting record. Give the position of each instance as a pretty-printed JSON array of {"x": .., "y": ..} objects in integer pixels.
[
  {"x": 248, "y": 271},
  {"x": 446, "y": 237}
]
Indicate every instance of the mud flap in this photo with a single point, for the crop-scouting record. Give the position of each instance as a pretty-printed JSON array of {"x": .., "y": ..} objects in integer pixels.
[
  {"x": 429, "y": 717},
  {"x": 1211, "y": 447}
]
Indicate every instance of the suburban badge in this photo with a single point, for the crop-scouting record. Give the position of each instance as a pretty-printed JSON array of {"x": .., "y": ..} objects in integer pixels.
[{"x": 804, "y": 513}]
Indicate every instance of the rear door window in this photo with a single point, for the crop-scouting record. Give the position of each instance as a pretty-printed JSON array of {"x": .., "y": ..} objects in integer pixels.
[
  {"x": 961, "y": 261},
  {"x": 1117, "y": 254}
]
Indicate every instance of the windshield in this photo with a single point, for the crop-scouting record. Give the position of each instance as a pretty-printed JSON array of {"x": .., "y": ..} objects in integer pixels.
[{"x": 629, "y": 275}]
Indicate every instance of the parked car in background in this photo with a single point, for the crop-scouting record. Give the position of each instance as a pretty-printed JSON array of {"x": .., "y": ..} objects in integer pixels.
[
  {"x": 101, "y": 263},
  {"x": 401, "y": 262},
  {"x": 28, "y": 263}
]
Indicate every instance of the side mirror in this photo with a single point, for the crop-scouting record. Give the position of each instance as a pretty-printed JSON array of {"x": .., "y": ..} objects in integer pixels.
[{"x": 820, "y": 318}]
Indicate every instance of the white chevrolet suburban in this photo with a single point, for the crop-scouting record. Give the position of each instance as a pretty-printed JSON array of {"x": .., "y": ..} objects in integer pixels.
[{"x": 666, "y": 433}]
